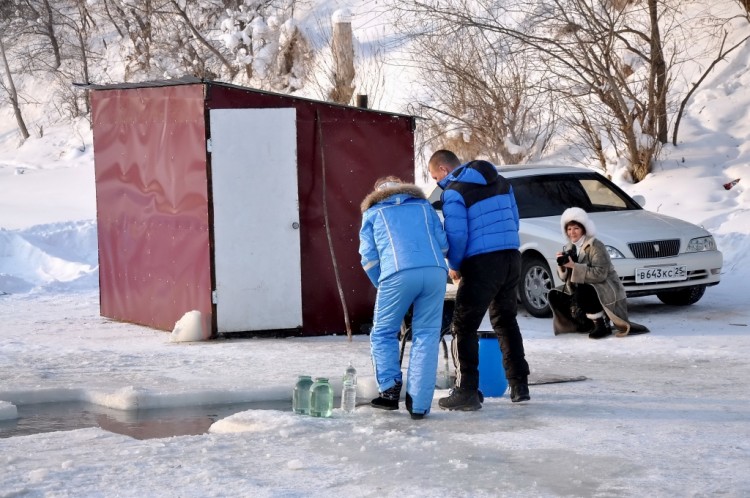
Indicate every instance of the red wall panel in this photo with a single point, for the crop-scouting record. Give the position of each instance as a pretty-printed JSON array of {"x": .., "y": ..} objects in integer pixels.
[{"x": 152, "y": 204}]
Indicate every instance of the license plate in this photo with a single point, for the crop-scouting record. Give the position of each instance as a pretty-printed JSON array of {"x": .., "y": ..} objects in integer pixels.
[{"x": 660, "y": 274}]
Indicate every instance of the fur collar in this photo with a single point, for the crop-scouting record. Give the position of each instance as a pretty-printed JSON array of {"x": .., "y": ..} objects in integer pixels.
[{"x": 380, "y": 195}]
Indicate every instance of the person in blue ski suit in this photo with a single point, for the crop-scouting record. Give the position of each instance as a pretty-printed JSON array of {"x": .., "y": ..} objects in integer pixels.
[{"x": 403, "y": 247}]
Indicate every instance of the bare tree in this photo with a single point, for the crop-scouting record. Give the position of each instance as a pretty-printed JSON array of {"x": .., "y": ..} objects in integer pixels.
[
  {"x": 171, "y": 37},
  {"x": 482, "y": 98},
  {"x": 10, "y": 90},
  {"x": 370, "y": 78},
  {"x": 10, "y": 26},
  {"x": 39, "y": 17},
  {"x": 194, "y": 19},
  {"x": 723, "y": 52},
  {"x": 478, "y": 92},
  {"x": 587, "y": 132},
  {"x": 134, "y": 18},
  {"x": 621, "y": 55},
  {"x": 267, "y": 46},
  {"x": 76, "y": 23}
]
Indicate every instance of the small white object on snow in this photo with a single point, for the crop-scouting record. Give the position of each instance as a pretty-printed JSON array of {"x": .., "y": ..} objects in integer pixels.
[{"x": 189, "y": 328}]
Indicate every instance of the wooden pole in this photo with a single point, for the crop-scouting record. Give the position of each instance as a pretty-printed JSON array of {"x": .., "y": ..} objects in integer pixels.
[{"x": 347, "y": 323}]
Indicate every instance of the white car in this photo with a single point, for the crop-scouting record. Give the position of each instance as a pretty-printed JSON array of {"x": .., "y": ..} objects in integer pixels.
[{"x": 652, "y": 253}]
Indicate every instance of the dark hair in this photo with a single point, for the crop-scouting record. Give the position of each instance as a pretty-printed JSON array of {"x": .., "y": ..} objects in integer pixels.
[
  {"x": 444, "y": 157},
  {"x": 574, "y": 222}
]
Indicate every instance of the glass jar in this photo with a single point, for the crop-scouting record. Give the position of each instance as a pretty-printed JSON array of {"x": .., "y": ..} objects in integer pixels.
[
  {"x": 301, "y": 395},
  {"x": 321, "y": 398}
]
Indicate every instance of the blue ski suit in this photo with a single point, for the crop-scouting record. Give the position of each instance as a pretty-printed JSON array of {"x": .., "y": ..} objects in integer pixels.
[{"x": 403, "y": 247}]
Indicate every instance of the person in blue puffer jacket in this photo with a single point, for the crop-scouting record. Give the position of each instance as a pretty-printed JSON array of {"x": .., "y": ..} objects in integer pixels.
[
  {"x": 403, "y": 247},
  {"x": 481, "y": 222}
]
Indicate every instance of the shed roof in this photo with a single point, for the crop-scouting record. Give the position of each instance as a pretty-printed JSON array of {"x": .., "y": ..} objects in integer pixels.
[{"x": 192, "y": 80}]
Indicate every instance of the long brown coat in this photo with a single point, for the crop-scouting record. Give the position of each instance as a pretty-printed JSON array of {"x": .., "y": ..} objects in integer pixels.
[{"x": 594, "y": 267}]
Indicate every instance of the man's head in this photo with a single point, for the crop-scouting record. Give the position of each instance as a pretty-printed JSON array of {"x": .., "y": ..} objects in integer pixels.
[{"x": 442, "y": 163}]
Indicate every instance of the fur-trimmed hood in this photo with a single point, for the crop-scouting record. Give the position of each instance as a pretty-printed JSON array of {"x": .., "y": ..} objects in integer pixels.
[
  {"x": 579, "y": 215},
  {"x": 376, "y": 196}
]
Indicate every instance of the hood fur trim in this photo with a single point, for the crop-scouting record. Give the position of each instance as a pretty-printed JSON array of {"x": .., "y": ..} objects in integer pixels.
[
  {"x": 380, "y": 195},
  {"x": 579, "y": 215}
]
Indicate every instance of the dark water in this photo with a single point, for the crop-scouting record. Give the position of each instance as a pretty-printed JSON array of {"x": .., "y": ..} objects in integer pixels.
[{"x": 139, "y": 424}]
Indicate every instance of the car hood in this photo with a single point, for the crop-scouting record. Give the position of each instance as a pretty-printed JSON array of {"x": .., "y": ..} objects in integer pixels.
[{"x": 618, "y": 228}]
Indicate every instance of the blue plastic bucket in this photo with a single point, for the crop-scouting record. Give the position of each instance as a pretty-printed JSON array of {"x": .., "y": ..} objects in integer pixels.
[{"x": 492, "y": 381}]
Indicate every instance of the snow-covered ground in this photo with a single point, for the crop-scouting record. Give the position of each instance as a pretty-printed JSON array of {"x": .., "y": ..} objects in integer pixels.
[
  {"x": 665, "y": 414},
  {"x": 662, "y": 414}
]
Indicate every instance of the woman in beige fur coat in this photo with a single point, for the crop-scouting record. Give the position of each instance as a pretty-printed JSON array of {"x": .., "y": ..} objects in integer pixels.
[{"x": 592, "y": 289}]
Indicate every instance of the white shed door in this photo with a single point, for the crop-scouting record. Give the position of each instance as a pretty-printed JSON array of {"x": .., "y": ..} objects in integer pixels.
[{"x": 256, "y": 219}]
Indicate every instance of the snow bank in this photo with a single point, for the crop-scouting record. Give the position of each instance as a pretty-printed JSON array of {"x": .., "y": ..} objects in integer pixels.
[
  {"x": 8, "y": 411},
  {"x": 189, "y": 328},
  {"x": 284, "y": 424}
]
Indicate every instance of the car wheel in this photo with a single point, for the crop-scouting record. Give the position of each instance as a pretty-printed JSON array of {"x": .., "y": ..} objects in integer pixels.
[
  {"x": 536, "y": 282},
  {"x": 682, "y": 297}
]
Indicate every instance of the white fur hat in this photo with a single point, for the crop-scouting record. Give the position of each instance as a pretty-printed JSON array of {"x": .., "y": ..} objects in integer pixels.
[{"x": 579, "y": 215}]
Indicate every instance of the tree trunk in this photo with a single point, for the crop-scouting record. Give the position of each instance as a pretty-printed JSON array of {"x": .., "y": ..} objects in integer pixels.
[
  {"x": 112, "y": 19},
  {"x": 659, "y": 69},
  {"x": 49, "y": 27},
  {"x": 12, "y": 94},
  {"x": 343, "y": 61}
]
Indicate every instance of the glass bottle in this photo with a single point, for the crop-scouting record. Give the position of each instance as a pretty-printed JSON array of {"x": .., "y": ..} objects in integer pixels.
[
  {"x": 301, "y": 395},
  {"x": 321, "y": 398}
]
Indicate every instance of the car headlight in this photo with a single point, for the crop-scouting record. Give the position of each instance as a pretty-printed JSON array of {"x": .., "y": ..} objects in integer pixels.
[
  {"x": 701, "y": 244},
  {"x": 614, "y": 253}
]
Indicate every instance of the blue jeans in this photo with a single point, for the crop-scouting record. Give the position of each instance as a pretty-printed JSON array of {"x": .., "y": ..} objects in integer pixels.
[{"x": 425, "y": 289}]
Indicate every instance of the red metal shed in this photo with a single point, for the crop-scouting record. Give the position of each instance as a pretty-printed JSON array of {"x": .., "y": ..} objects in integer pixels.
[{"x": 214, "y": 197}]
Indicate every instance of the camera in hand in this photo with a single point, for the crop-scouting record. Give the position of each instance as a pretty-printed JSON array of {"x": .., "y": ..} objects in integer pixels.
[{"x": 570, "y": 254}]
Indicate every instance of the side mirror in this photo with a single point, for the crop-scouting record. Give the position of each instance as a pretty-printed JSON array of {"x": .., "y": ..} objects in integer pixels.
[{"x": 640, "y": 200}]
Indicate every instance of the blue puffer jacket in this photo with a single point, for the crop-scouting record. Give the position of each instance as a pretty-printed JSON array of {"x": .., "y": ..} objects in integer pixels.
[
  {"x": 480, "y": 212},
  {"x": 400, "y": 230}
]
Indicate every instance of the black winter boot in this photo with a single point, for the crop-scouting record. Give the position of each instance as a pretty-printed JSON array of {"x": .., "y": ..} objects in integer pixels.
[
  {"x": 585, "y": 325},
  {"x": 466, "y": 400},
  {"x": 601, "y": 329},
  {"x": 519, "y": 390},
  {"x": 388, "y": 399}
]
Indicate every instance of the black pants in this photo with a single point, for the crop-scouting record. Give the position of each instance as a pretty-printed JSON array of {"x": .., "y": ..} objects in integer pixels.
[
  {"x": 587, "y": 299},
  {"x": 488, "y": 281}
]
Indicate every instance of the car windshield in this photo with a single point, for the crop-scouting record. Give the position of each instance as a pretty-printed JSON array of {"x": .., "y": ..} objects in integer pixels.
[{"x": 549, "y": 195}]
